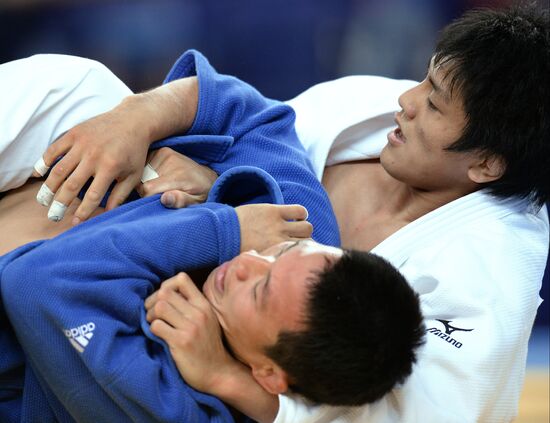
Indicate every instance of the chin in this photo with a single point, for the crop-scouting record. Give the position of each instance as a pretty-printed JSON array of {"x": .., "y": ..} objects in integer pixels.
[
  {"x": 393, "y": 167},
  {"x": 386, "y": 161},
  {"x": 207, "y": 286}
]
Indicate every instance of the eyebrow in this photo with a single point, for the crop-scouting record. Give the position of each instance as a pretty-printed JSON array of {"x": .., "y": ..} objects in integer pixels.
[
  {"x": 265, "y": 290},
  {"x": 437, "y": 88}
]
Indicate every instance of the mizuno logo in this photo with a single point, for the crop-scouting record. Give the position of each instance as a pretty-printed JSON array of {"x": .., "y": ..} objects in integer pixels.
[
  {"x": 448, "y": 331},
  {"x": 80, "y": 336}
]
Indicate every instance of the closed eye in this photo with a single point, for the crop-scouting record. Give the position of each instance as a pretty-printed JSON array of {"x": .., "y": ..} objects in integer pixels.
[
  {"x": 431, "y": 105},
  {"x": 266, "y": 280}
]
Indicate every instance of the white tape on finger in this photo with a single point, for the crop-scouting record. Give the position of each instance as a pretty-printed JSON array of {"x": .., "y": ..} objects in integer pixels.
[
  {"x": 148, "y": 173},
  {"x": 44, "y": 195},
  {"x": 56, "y": 211},
  {"x": 40, "y": 167}
]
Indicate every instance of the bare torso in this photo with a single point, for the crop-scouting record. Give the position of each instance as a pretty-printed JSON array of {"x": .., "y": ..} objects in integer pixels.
[{"x": 23, "y": 220}]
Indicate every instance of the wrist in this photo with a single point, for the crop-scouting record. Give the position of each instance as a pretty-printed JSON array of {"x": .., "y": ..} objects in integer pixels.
[
  {"x": 168, "y": 109},
  {"x": 136, "y": 110},
  {"x": 236, "y": 386},
  {"x": 227, "y": 380}
]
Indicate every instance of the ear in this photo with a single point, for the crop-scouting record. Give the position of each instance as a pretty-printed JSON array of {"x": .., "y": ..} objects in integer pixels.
[
  {"x": 487, "y": 169},
  {"x": 271, "y": 377}
]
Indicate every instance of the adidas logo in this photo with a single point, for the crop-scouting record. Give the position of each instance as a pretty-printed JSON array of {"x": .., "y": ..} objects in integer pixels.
[{"x": 80, "y": 336}]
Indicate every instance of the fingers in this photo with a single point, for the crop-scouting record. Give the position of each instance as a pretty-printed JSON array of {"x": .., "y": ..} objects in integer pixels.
[
  {"x": 301, "y": 229},
  {"x": 177, "y": 302},
  {"x": 178, "y": 199},
  {"x": 70, "y": 189},
  {"x": 120, "y": 193},
  {"x": 56, "y": 177},
  {"x": 40, "y": 168},
  {"x": 91, "y": 199},
  {"x": 54, "y": 151},
  {"x": 163, "y": 330},
  {"x": 182, "y": 285},
  {"x": 62, "y": 169},
  {"x": 65, "y": 196},
  {"x": 293, "y": 212},
  {"x": 170, "y": 307}
]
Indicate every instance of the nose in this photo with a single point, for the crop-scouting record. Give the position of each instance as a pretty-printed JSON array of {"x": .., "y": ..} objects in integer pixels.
[
  {"x": 408, "y": 103},
  {"x": 252, "y": 265}
]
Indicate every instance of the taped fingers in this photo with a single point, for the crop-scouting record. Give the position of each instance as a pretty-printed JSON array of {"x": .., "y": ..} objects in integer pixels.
[
  {"x": 69, "y": 191},
  {"x": 44, "y": 195},
  {"x": 48, "y": 189},
  {"x": 40, "y": 167},
  {"x": 55, "y": 150}
]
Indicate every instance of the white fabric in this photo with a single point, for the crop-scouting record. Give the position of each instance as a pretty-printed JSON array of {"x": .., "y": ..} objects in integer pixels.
[
  {"x": 477, "y": 262},
  {"x": 43, "y": 96}
]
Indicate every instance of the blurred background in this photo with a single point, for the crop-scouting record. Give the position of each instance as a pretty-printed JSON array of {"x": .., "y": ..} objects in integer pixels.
[{"x": 280, "y": 46}]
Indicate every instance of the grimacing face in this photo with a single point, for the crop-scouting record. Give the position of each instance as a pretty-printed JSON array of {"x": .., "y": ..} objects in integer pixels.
[
  {"x": 256, "y": 295},
  {"x": 430, "y": 120}
]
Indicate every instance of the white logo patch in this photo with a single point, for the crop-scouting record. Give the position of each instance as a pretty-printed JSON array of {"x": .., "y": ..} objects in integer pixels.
[{"x": 80, "y": 336}]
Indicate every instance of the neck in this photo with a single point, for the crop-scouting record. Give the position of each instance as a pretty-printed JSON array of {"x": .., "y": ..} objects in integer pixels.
[{"x": 408, "y": 203}]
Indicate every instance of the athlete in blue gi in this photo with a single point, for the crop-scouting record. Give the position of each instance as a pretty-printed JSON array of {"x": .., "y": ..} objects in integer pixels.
[{"x": 84, "y": 356}]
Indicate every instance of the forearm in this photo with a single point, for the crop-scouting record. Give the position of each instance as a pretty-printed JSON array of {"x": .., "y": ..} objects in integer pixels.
[
  {"x": 238, "y": 388},
  {"x": 163, "y": 111}
]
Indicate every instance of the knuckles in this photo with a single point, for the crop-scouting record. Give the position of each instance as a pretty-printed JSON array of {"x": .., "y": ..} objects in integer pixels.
[
  {"x": 182, "y": 277},
  {"x": 73, "y": 185},
  {"x": 160, "y": 308},
  {"x": 163, "y": 294}
]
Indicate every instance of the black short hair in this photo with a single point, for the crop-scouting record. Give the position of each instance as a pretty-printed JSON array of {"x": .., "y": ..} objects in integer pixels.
[
  {"x": 363, "y": 325},
  {"x": 498, "y": 60}
]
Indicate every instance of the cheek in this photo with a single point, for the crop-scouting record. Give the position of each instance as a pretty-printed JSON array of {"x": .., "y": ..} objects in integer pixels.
[{"x": 238, "y": 320}]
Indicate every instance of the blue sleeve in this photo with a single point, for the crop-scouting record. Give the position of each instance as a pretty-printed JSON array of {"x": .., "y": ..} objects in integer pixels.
[
  {"x": 76, "y": 304},
  {"x": 263, "y": 136}
]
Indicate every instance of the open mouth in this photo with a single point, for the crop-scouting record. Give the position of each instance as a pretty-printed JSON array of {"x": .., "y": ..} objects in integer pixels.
[
  {"x": 220, "y": 278},
  {"x": 396, "y": 137},
  {"x": 399, "y": 134}
]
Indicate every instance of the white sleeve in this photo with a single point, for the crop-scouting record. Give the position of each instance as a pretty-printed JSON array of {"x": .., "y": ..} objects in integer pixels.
[
  {"x": 472, "y": 370},
  {"x": 43, "y": 96},
  {"x": 347, "y": 119}
]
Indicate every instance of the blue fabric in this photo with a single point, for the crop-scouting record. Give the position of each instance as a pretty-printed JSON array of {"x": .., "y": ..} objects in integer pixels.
[{"x": 92, "y": 280}]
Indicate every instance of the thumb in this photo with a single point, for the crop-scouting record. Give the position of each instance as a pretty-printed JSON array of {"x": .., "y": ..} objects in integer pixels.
[
  {"x": 293, "y": 212},
  {"x": 176, "y": 199}
]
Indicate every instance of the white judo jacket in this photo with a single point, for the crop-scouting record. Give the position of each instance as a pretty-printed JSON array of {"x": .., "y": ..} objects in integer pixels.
[{"x": 477, "y": 264}]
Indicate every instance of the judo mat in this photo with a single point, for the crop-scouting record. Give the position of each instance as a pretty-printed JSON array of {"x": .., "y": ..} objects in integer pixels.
[{"x": 534, "y": 404}]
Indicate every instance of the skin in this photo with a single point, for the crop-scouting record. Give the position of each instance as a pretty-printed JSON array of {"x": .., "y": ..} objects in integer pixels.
[
  {"x": 254, "y": 297},
  {"x": 415, "y": 174},
  {"x": 22, "y": 218}
]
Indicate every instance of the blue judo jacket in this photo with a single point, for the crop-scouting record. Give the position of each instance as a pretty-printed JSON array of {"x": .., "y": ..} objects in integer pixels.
[{"x": 74, "y": 304}]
